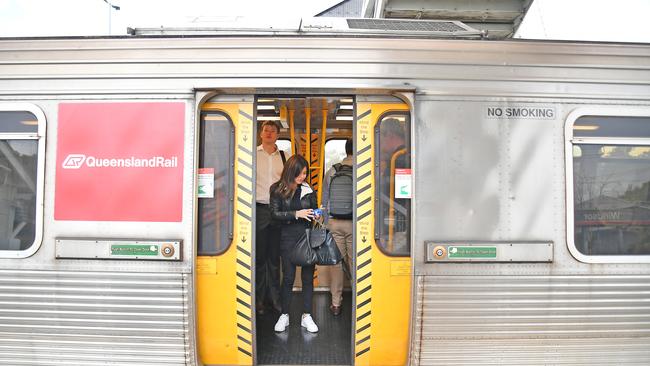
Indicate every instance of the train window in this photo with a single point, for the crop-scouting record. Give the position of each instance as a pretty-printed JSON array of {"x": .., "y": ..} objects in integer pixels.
[
  {"x": 284, "y": 145},
  {"x": 611, "y": 186},
  {"x": 392, "y": 230},
  {"x": 612, "y": 127},
  {"x": 18, "y": 122},
  {"x": 216, "y": 157},
  {"x": 334, "y": 152},
  {"x": 22, "y": 133}
]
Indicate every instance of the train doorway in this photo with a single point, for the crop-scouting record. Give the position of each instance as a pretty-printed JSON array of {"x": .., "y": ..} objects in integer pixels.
[
  {"x": 314, "y": 127},
  {"x": 237, "y": 310}
]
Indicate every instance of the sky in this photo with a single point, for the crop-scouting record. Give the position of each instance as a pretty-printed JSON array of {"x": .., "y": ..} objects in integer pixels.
[
  {"x": 589, "y": 20},
  {"x": 91, "y": 17}
]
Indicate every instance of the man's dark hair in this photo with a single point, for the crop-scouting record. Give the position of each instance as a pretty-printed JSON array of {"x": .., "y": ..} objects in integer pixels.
[
  {"x": 392, "y": 126},
  {"x": 348, "y": 146},
  {"x": 270, "y": 123}
]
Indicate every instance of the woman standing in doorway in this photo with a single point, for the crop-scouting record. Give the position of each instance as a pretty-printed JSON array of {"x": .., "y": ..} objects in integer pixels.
[{"x": 292, "y": 204}]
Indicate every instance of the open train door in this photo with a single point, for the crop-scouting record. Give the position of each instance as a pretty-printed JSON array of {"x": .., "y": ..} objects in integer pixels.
[
  {"x": 383, "y": 230},
  {"x": 226, "y": 142}
]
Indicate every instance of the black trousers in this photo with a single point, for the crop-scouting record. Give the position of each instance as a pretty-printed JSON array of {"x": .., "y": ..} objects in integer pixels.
[
  {"x": 290, "y": 235},
  {"x": 267, "y": 257}
]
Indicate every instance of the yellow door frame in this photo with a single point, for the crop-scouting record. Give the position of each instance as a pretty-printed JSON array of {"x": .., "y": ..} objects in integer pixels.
[
  {"x": 383, "y": 283},
  {"x": 224, "y": 282}
]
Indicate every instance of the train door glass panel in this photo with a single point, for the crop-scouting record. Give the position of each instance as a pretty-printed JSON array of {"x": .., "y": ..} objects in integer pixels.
[
  {"x": 215, "y": 207},
  {"x": 611, "y": 186},
  {"x": 21, "y": 160},
  {"x": 393, "y": 209}
]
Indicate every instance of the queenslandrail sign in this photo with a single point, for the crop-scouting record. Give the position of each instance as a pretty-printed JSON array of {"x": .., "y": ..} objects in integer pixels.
[
  {"x": 120, "y": 161},
  {"x": 76, "y": 161}
]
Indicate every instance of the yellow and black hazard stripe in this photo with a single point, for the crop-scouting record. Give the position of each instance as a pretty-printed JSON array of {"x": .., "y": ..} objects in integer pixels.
[
  {"x": 243, "y": 232},
  {"x": 313, "y": 162},
  {"x": 364, "y": 231}
]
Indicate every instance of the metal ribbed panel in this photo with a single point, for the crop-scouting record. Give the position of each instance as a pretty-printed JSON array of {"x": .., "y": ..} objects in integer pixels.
[
  {"x": 178, "y": 65},
  {"x": 501, "y": 320},
  {"x": 88, "y": 318}
]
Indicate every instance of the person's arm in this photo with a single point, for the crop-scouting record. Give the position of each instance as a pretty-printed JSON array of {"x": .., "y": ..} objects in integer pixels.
[{"x": 277, "y": 213}]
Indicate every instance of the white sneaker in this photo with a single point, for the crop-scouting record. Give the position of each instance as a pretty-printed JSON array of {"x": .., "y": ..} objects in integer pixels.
[
  {"x": 308, "y": 323},
  {"x": 283, "y": 323}
]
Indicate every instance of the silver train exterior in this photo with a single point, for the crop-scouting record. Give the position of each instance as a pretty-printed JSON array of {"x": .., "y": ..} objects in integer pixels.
[{"x": 476, "y": 177}]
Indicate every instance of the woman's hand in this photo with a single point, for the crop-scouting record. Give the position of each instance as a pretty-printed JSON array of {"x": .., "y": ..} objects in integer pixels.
[{"x": 306, "y": 214}]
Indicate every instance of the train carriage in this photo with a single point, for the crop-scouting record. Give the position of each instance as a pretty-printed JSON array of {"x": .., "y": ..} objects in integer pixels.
[{"x": 508, "y": 225}]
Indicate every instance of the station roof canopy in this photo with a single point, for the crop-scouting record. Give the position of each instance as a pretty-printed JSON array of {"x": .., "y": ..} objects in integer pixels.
[
  {"x": 495, "y": 18},
  {"x": 460, "y": 19}
]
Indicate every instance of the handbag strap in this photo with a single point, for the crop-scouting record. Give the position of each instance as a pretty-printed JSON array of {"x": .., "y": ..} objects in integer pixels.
[{"x": 318, "y": 223}]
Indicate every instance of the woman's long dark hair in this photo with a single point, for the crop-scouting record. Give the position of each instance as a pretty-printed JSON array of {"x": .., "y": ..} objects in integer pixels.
[{"x": 292, "y": 168}]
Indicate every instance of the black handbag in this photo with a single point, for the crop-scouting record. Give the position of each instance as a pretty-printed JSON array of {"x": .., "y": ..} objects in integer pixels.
[
  {"x": 317, "y": 236},
  {"x": 327, "y": 252},
  {"x": 316, "y": 246},
  {"x": 303, "y": 254}
]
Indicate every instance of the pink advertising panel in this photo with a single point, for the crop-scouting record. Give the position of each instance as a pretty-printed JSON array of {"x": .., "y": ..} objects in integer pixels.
[{"x": 120, "y": 162}]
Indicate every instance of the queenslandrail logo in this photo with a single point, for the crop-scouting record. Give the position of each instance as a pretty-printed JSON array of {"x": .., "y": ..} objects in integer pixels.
[{"x": 76, "y": 161}]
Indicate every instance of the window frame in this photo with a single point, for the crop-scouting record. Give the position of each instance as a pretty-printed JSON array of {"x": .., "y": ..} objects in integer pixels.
[
  {"x": 39, "y": 136},
  {"x": 231, "y": 185},
  {"x": 569, "y": 142}
]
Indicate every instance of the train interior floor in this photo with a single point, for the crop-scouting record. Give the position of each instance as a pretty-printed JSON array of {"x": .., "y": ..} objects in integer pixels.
[{"x": 296, "y": 346}]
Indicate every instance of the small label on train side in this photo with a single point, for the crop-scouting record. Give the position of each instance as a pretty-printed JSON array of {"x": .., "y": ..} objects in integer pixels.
[
  {"x": 121, "y": 249},
  {"x": 471, "y": 252},
  {"x": 521, "y": 112},
  {"x": 400, "y": 268},
  {"x": 488, "y": 251}
]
